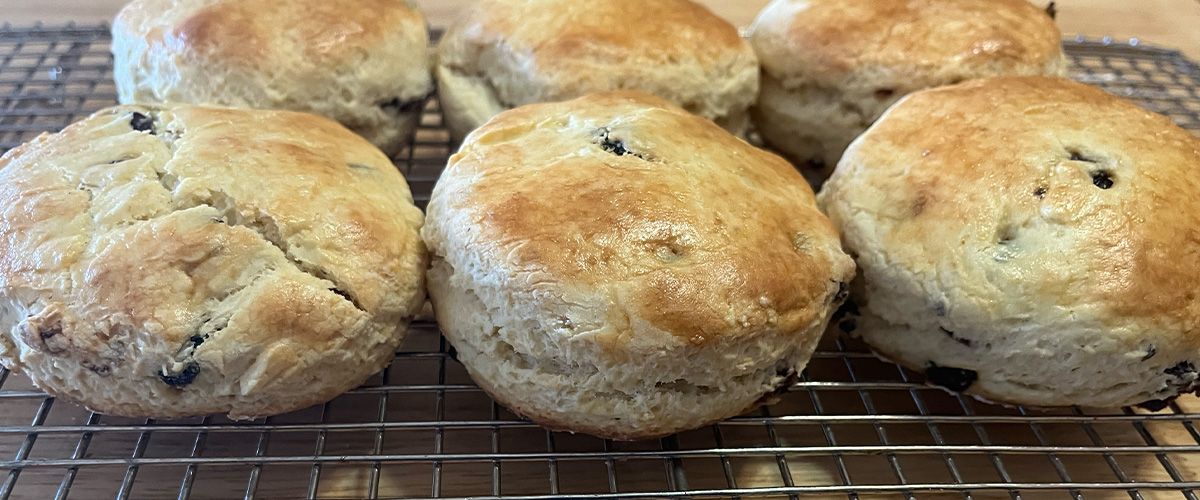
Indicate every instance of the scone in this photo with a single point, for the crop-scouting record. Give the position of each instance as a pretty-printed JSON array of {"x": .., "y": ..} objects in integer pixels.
[
  {"x": 507, "y": 53},
  {"x": 1028, "y": 240},
  {"x": 175, "y": 261},
  {"x": 831, "y": 67},
  {"x": 616, "y": 266},
  {"x": 364, "y": 63}
]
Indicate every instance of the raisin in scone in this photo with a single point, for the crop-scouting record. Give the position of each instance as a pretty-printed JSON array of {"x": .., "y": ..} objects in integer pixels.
[
  {"x": 180, "y": 260},
  {"x": 617, "y": 266},
  {"x": 506, "y": 53},
  {"x": 831, "y": 67},
  {"x": 364, "y": 63},
  {"x": 1028, "y": 240}
]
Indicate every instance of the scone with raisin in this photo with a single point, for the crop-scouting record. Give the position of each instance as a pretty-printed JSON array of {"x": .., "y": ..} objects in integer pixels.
[
  {"x": 364, "y": 63},
  {"x": 507, "y": 53},
  {"x": 1028, "y": 240},
  {"x": 180, "y": 260},
  {"x": 831, "y": 67},
  {"x": 617, "y": 266}
]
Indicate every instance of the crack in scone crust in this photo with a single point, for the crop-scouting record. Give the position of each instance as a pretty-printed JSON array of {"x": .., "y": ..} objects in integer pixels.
[
  {"x": 262, "y": 224},
  {"x": 204, "y": 260}
]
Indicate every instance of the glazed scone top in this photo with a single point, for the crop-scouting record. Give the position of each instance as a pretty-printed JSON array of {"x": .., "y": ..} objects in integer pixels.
[
  {"x": 630, "y": 217},
  {"x": 828, "y": 41},
  {"x": 546, "y": 50},
  {"x": 310, "y": 40},
  {"x": 323, "y": 33},
  {"x": 1033, "y": 200},
  {"x": 142, "y": 226}
]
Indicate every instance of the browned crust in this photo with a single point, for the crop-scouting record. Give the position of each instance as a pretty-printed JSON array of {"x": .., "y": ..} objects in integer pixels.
[
  {"x": 248, "y": 33},
  {"x": 721, "y": 239},
  {"x": 827, "y": 39},
  {"x": 567, "y": 35},
  {"x": 1027, "y": 149}
]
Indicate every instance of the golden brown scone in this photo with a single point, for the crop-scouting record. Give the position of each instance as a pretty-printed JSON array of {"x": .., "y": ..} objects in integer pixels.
[
  {"x": 507, "y": 53},
  {"x": 364, "y": 63},
  {"x": 175, "y": 261},
  {"x": 616, "y": 266},
  {"x": 1028, "y": 240},
  {"x": 831, "y": 67}
]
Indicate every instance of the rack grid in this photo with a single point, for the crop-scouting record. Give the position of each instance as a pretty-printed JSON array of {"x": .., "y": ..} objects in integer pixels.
[{"x": 852, "y": 427}]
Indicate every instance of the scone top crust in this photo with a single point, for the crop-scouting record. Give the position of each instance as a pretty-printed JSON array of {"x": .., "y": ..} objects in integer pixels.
[
  {"x": 247, "y": 250},
  {"x": 625, "y": 217},
  {"x": 908, "y": 43},
  {"x": 324, "y": 33},
  {"x": 548, "y": 50},
  {"x": 1030, "y": 201}
]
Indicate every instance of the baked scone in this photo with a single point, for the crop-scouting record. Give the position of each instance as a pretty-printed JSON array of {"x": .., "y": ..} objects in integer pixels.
[
  {"x": 616, "y": 266},
  {"x": 175, "y": 261},
  {"x": 507, "y": 53},
  {"x": 1028, "y": 240},
  {"x": 831, "y": 67},
  {"x": 364, "y": 63}
]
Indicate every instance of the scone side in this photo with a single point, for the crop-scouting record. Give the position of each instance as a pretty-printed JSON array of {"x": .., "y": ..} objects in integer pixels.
[{"x": 631, "y": 396}]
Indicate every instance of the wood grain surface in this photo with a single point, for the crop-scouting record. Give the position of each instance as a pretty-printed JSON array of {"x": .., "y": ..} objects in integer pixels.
[{"x": 1173, "y": 23}]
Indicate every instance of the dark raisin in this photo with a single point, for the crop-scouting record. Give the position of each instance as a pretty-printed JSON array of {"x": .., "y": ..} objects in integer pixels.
[
  {"x": 46, "y": 335},
  {"x": 1102, "y": 179},
  {"x": 98, "y": 369},
  {"x": 955, "y": 379},
  {"x": 843, "y": 291},
  {"x": 1155, "y": 404},
  {"x": 784, "y": 369},
  {"x": 1181, "y": 369},
  {"x": 1040, "y": 192},
  {"x": 142, "y": 123},
  {"x": 960, "y": 340},
  {"x": 396, "y": 105},
  {"x": 609, "y": 144},
  {"x": 183, "y": 378},
  {"x": 884, "y": 94},
  {"x": 49, "y": 333},
  {"x": 196, "y": 340},
  {"x": 1150, "y": 352},
  {"x": 1052, "y": 10},
  {"x": 939, "y": 308}
]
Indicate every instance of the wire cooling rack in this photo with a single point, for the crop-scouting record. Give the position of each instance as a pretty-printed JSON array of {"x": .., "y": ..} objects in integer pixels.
[{"x": 852, "y": 427}]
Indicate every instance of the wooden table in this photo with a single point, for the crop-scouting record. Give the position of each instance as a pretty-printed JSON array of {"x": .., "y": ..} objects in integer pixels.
[{"x": 1172, "y": 23}]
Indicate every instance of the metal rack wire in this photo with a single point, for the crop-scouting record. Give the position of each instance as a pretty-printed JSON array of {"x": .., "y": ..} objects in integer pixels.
[{"x": 853, "y": 427}]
